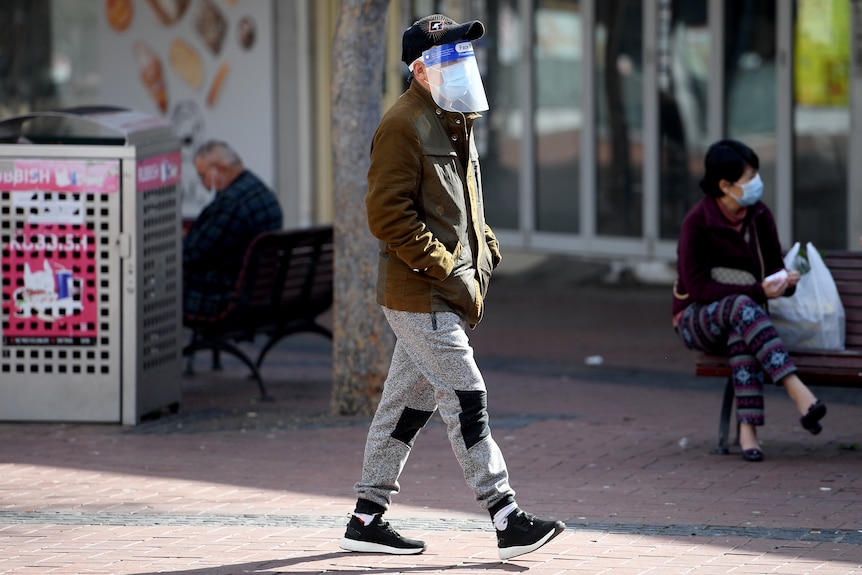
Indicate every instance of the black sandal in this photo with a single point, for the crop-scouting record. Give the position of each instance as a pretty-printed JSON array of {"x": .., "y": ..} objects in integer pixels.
[
  {"x": 811, "y": 420},
  {"x": 753, "y": 454}
]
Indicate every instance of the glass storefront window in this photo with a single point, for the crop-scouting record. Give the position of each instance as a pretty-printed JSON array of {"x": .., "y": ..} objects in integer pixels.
[
  {"x": 619, "y": 122},
  {"x": 25, "y": 79},
  {"x": 683, "y": 78},
  {"x": 499, "y": 133},
  {"x": 75, "y": 64},
  {"x": 558, "y": 62},
  {"x": 821, "y": 121},
  {"x": 750, "y": 83},
  {"x": 49, "y": 55}
]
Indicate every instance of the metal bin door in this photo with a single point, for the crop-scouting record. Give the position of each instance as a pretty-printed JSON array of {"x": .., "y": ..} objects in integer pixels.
[{"x": 59, "y": 351}]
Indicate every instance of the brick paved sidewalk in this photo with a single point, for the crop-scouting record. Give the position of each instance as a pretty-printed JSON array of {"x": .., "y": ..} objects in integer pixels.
[
  {"x": 621, "y": 452},
  {"x": 603, "y": 456}
]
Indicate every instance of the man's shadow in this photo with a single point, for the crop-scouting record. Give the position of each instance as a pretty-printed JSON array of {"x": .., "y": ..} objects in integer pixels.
[{"x": 268, "y": 566}]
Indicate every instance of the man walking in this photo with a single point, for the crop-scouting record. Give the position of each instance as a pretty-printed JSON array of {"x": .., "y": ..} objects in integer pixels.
[{"x": 425, "y": 205}]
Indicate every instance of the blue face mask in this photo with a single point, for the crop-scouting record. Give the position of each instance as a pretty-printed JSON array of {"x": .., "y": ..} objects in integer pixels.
[
  {"x": 751, "y": 191},
  {"x": 456, "y": 82}
]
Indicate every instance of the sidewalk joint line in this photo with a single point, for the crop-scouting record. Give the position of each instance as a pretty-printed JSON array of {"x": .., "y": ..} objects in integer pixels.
[{"x": 848, "y": 536}]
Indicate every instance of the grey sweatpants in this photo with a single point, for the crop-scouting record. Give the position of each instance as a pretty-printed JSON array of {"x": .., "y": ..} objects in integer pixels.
[{"x": 432, "y": 368}]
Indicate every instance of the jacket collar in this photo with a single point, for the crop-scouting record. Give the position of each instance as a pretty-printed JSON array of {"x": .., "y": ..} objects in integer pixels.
[{"x": 714, "y": 218}]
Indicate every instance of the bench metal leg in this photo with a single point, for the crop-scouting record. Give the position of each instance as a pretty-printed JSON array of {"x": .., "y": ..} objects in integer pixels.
[
  {"x": 190, "y": 365},
  {"x": 238, "y": 353},
  {"x": 724, "y": 420},
  {"x": 278, "y": 336},
  {"x": 201, "y": 343},
  {"x": 190, "y": 357}
]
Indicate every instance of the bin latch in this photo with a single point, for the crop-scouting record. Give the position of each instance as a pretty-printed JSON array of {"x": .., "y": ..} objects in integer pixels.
[{"x": 125, "y": 245}]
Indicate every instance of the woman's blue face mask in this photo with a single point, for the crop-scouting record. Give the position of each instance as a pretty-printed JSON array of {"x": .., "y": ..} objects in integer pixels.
[{"x": 752, "y": 190}]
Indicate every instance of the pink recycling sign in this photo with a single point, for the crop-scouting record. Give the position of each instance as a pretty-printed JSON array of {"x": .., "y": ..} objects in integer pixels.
[
  {"x": 50, "y": 296},
  {"x": 64, "y": 176}
]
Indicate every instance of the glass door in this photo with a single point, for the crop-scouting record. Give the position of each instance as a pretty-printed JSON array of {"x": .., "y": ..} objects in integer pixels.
[
  {"x": 684, "y": 44},
  {"x": 619, "y": 87},
  {"x": 557, "y": 118},
  {"x": 750, "y": 49},
  {"x": 821, "y": 122},
  {"x": 501, "y": 132}
]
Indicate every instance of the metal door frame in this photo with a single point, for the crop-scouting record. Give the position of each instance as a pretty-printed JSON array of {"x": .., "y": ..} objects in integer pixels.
[{"x": 854, "y": 176}]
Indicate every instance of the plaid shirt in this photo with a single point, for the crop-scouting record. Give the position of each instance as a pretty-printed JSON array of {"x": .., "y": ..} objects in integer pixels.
[{"x": 215, "y": 245}]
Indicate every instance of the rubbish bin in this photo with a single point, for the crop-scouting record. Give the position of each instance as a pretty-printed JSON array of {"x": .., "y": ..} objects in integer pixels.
[{"x": 91, "y": 269}]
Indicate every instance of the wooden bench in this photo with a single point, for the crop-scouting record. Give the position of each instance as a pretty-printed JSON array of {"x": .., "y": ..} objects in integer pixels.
[
  {"x": 284, "y": 286},
  {"x": 816, "y": 368}
]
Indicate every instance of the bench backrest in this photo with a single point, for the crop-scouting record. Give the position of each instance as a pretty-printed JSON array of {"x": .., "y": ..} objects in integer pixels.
[
  {"x": 286, "y": 277},
  {"x": 846, "y": 269}
]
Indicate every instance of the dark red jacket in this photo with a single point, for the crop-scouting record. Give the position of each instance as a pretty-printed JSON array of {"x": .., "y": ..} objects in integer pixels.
[{"x": 707, "y": 240}]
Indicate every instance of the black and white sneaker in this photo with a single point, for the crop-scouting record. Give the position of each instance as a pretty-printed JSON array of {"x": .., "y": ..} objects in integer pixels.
[
  {"x": 378, "y": 537},
  {"x": 525, "y": 533}
]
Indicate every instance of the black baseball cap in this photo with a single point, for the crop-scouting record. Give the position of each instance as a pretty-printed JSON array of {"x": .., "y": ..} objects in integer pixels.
[{"x": 436, "y": 30}]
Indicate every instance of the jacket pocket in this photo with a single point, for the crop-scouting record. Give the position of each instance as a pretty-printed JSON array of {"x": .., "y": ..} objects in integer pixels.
[
  {"x": 484, "y": 270},
  {"x": 443, "y": 191},
  {"x": 456, "y": 254}
]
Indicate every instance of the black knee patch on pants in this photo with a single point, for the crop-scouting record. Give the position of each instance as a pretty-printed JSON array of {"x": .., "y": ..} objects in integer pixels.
[
  {"x": 474, "y": 416},
  {"x": 409, "y": 425}
]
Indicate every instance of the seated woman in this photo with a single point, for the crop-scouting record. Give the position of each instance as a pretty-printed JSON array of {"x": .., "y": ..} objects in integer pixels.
[{"x": 728, "y": 249}]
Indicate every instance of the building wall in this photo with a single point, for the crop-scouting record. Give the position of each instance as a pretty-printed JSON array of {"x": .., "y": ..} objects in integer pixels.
[{"x": 600, "y": 111}]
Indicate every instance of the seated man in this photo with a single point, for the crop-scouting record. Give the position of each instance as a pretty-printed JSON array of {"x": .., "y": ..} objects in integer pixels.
[{"x": 214, "y": 247}]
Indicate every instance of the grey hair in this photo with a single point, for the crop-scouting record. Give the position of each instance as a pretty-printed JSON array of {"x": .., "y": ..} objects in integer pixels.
[{"x": 220, "y": 153}]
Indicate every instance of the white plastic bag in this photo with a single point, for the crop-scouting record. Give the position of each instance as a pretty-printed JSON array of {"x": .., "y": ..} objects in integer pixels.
[{"x": 813, "y": 317}]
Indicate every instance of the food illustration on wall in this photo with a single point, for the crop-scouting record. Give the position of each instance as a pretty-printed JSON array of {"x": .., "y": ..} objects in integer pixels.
[
  {"x": 120, "y": 13},
  {"x": 169, "y": 12},
  {"x": 187, "y": 61},
  {"x": 246, "y": 32},
  {"x": 218, "y": 83},
  {"x": 151, "y": 72},
  {"x": 211, "y": 25}
]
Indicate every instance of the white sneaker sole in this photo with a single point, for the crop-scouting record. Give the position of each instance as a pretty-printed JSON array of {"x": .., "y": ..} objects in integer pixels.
[
  {"x": 366, "y": 547},
  {"x": 511, "y": 552}
]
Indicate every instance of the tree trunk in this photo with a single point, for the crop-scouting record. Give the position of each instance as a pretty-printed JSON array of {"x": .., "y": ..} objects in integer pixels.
[{"x": 363, "y": 341}]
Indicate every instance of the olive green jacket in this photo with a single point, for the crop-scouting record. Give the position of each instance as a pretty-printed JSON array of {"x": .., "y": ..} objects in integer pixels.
[{"x": 425, "y": 205}]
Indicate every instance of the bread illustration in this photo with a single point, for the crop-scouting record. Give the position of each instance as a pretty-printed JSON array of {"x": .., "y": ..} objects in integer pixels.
[
  {"x": 152, "y": 76},
  {"x": 217, "y": 85},
  {"x": 246, "y": 32},
  {"x": 211, "y": 25},
  {"x": 119, "y": 13},
  {"x": 169, "y": 11},
  {"x": 186, "y": 62}
]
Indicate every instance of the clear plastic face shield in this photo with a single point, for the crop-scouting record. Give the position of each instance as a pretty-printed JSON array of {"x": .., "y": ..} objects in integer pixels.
[{"x": 453, "y": 75}]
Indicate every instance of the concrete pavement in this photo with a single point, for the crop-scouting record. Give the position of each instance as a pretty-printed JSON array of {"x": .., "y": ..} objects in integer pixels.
[{"x": 621, "y": 451}]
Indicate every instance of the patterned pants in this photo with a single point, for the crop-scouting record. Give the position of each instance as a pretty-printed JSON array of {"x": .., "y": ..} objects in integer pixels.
[{"x": 736, "y": 326}]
